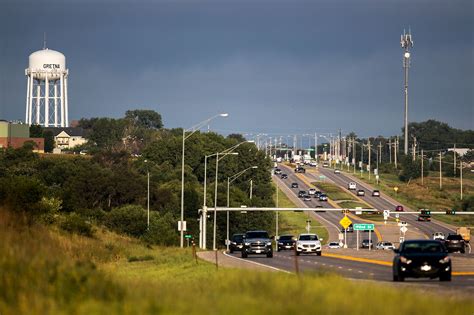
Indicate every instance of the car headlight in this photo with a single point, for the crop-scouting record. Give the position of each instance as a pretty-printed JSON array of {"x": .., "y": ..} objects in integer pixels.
[
  {"x": 404, "y": 260},
  {"x": 247, "y": 244},
  {"x": 269, "y": 243},
  {"x": 445, "y": 260}
]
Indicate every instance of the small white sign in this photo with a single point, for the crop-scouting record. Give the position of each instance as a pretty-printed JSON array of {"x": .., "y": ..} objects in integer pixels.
[
  {"x": 386, "y": 214},
  {"x": 183, "y": 225},
  {"x": 397, "y": 215},
  {"x": 341, "y": 236}
]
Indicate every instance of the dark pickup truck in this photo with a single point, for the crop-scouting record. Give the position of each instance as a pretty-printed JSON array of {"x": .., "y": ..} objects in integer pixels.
[{"x": 257, "y": 243}]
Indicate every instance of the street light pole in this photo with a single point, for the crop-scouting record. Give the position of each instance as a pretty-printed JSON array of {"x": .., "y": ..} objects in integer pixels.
[
  {"x": 192, "y": 130},
  {"x": 230, "y": 180},
  {"x": 223, "y": 154}
]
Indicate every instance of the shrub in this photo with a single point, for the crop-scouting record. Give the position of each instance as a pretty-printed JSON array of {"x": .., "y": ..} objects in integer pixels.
[
  {"x": 22, "y": 194},
  {"x": 162, "y": 230},
  {"x": 74, "y": 223},
  {"x": 140, "y": 258},
  {"x": 130, "y": 219}
]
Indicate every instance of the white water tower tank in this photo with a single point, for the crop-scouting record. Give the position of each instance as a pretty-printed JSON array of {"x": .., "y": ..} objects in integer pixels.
[
  {"x": 46, "y": 99},
  {"x": 47, "y": 62}
]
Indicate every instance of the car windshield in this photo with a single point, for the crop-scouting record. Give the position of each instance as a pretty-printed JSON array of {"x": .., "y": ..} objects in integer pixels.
[
  {"x": 286, "y": 238},
  {"x": 455, "y": 237},
  {"x": 333, "y": 244},
  {"x": 423, "y": 247},
  {"x": 237, "y": 238},
  {"x": 256, "y": 234},
  {"x": 388, "y": 244},
  {"x": 308, "y": 237}
]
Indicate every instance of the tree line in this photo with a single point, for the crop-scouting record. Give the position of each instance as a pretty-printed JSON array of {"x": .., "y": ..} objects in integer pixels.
[{"x": 109, "y": 186}]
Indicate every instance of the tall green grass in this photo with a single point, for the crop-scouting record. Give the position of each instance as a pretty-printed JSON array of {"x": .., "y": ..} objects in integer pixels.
[{"x": 43, "y": 271}]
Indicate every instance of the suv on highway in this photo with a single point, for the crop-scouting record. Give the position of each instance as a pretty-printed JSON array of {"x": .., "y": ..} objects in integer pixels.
[
  {"x": 301, "y": 193},
  {"x": 421, "y": 258},
  {"x": 367, "y": 243},
  {"x": 308, "y": 243},
  {"x": 257, "y": 242},
  {"x": 455, "y": 243},
  {"x": 277, "y": 171},
  {"x": 438, "y": 236},
  {"x": 286, "y": 242},
  {"x": 294, "y": 185},
  {"x": 300, "y": 169},
  {"x": 352, "y": 186},
  {"x": 236, "y": 243},
  {"x": 323, "y": 197},
  {"x": 376, "y": 193},
  {"x": 385, "y": 245},
  {"x": 284, "y": 176},
  {"x": 311, "y": 191},
  {"x": 361, "y": 192}
]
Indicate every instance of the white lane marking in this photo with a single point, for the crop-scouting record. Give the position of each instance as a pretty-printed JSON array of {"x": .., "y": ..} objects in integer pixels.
[
  {"x": 324, "y": 264},
  {"x": 350, "y": 269},
  {"x": 359, "y": 271},
  {"x": 339, "y": 267},
  {"x": 256, "y": 263}
]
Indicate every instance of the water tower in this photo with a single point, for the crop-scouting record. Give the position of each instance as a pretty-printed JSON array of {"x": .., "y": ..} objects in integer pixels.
[{"x": 46, "y": 94}]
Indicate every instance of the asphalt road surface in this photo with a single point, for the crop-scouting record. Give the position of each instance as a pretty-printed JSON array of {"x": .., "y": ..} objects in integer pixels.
[{"x": 285, "y": 260}]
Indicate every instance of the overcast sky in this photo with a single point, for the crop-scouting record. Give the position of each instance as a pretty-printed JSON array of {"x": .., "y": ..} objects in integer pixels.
[{"x": 274, "y": 66}]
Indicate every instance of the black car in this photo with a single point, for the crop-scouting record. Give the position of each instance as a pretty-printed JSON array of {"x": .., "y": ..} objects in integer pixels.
[
  {"x": 367, "y": 243},
  {"x": 236, "y": 243},
  {"x": 257, "y": 242},
  {"x": 455, "y": 243},
  {"x": 286, "y": 242},
  {"x": 277, "y": 171},
  {"x": 323, "y": 197},
  {"x": 300, "y": 170},
  {"x": 301, "y": 193},
  {"x": 294, "y": 185},
  {"x": 284, "y": 176},
  {"x": 422, "y": 259},
  {"x": 317, "y": 194},
  {"x": 350, "y": 229}
]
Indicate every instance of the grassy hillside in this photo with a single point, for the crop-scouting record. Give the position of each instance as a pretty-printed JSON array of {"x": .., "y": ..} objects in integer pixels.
[{"x": 43, "y": 271}]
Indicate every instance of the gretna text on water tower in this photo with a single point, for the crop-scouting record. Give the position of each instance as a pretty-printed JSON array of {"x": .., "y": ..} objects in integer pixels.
[{"x": 46, "y": 94}]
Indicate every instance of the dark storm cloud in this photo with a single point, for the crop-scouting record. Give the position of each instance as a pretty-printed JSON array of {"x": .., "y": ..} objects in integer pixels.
[{"x": 274, "y": 66}]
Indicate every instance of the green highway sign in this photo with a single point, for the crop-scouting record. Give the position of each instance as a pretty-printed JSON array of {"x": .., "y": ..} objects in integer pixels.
[
  {"x": 188, "y": 236},
  {"x": 363, "y": 227}
]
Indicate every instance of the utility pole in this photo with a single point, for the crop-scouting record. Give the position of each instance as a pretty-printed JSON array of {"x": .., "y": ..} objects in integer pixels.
[
  {"x": 414, "y": 148},
  {"x": 316, "y": 147},
  {"x": 251, "y": 189},
  {"x": 406, "y": 41},
  {"x": 440, "y": 174},
  {"x": 380, "y": 153},
  {"x": 396, "y": 151},
  {"x": 361, "y": 158},
  {"x": 368, "y": 144},
  {"x": 354, "y": 153},
  {"x": 454, "y": 152},
  {"x": 460, "y": 175},
  {"x": 390, "y": 149},
  {"x": 422, "y": 171}
]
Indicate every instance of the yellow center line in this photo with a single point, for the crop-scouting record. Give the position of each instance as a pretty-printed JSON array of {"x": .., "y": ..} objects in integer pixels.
[{"x": 366, "y": 260}]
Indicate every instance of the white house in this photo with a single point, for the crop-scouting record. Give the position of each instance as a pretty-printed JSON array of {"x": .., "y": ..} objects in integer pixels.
[{"x": 68, "y": 138}]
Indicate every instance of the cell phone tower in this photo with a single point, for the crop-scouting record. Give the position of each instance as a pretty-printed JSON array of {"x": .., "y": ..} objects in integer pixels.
[
  {"x": 406, "y": 41},
  {"x": 46, "y": 93}
]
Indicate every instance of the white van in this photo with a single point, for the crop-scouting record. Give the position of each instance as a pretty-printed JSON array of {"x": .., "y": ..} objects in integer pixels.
[{"x": 352, "y": 186}]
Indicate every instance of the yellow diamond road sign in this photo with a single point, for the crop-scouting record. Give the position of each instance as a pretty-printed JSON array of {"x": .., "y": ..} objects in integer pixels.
[{"x": 345, "y": 222}]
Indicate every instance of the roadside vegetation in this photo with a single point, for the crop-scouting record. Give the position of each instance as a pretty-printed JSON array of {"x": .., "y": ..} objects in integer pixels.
[
  {"x": 108, "y": 186},
  {"x": 47, "y": 271}
]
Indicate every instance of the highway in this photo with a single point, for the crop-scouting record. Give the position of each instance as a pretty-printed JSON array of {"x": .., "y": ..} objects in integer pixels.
[
  {"x": 285, "y": 261},
  {"x": 332, "y": 218},
  {"x": 385, "y": 203}
]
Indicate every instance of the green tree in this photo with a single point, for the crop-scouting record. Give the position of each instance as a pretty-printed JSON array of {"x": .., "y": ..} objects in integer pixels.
[
  {"x": 48, "y": 141},
  {"x": 36, "y": 131},
  {"x": 144, "y": 118}
]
